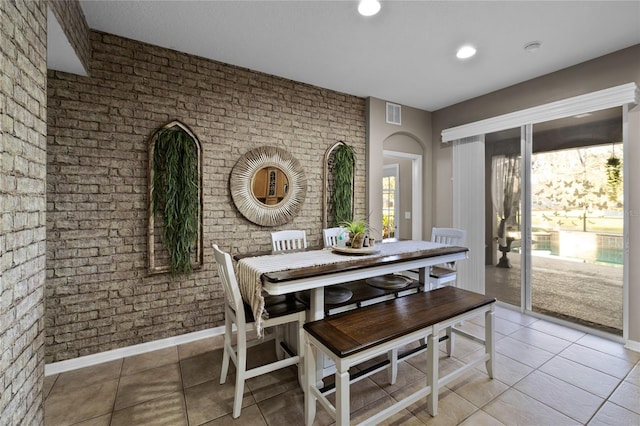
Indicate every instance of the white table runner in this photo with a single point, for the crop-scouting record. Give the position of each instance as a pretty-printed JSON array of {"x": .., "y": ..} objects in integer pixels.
[{"x": 250, "y": 269}]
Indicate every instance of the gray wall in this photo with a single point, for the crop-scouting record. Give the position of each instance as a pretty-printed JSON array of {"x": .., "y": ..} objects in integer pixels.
[{"x": 416, "y": 124}]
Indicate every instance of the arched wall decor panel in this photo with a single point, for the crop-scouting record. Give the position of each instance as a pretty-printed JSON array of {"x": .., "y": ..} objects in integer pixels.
[
  {"x": 272, "y": 198},
  {"x": 328, "y": 187},
  {"x": 158, "y": 257}
]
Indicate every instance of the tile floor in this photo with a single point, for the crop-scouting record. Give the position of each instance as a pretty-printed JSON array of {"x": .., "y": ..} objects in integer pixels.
[{"x": 546, "y": 374}]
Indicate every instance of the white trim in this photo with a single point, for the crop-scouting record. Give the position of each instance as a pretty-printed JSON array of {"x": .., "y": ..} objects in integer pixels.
[
  {"x": 595, "y": 101},
  {"x": 526, "y": 152},
  {"x": 632, "y": 345},
  {"x": 626, "y": 196},
  {"x": 89, "y": 360},
  {"x": 416, "y": 190}
]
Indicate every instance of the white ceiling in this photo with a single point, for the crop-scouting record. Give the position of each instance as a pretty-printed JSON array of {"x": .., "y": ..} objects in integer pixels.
[{"x": 405, "y": 54}]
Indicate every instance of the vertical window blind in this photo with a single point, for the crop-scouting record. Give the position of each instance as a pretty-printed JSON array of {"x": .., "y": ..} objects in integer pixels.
[{"x": 468, "y": 208}]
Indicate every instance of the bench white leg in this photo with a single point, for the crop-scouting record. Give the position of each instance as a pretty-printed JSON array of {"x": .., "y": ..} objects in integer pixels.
[
  {"x": 309, "y": 379},
  {"x": 432, "y": 373},
  {"x": 342, "y": 398},
  {"x": 489, "y": 344}
]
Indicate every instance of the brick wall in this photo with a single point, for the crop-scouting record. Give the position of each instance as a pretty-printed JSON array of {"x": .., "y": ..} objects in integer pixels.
[
  {"x": 71, "y": 18},
  {"x": 99, "y": 295},
  {"x": 22, "y": 213}
]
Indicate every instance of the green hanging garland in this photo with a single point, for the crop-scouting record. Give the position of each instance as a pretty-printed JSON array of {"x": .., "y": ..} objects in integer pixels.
[
  {"x": 343, "y": 165},
  {"x": 614, "y": 179},
  {"x": 175, "y": 194}
]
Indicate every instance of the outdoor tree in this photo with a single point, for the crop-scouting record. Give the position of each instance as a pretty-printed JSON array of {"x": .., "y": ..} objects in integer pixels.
[{"x": 574, "y": 186}]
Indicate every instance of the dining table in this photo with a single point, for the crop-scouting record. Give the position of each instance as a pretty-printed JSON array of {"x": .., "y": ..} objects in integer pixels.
[
  {"x": 289, "y": 272},
  {"x": 285, "y": 273}
]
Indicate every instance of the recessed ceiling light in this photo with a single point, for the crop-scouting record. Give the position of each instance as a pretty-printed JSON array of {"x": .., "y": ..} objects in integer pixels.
[
  {"x": 368, "y": 7},
  {"x": 532, "y": 46},
  {"x": 466, "y": 51}
]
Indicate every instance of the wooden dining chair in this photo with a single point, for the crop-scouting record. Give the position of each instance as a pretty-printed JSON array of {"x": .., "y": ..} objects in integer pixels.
[
  {"x": 288, "y": 240},
  {"x": 440, "y": 275},
  {"x": 281, "y": 311},
  {"x": 331, "y": 236}
]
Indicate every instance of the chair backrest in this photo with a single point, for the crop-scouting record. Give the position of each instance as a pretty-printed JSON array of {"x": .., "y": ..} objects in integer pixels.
[
  {"x": 288, "y": 240},
  {"x": 449, "y": 236},
  {"x": 330, "y": 236},
  {"x": 229, "y": 282}
]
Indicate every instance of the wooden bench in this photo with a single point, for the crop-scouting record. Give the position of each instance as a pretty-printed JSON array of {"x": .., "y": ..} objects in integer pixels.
[{"x": 353, "y": 337}]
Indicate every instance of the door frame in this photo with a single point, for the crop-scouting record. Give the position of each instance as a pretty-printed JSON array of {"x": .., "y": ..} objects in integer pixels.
[
  {"x": 416, "y": 189},
  {"x": 387, "y": 171}
]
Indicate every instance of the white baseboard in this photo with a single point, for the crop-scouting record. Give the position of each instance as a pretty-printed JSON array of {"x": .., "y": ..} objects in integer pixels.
[
  {"x": 89, "y": 360},
  {"x": 632, "y": 345}
]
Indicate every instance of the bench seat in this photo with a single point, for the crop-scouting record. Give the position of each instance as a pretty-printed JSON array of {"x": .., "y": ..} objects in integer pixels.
[{"x": 353, "y": 337}]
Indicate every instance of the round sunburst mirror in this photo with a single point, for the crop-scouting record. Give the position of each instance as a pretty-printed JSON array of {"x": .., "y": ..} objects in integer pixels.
[{"x": 268, "y": 186}]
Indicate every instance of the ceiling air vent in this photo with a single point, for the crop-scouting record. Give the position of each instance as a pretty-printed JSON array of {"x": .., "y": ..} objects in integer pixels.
[{"x": 394, "y": 114}]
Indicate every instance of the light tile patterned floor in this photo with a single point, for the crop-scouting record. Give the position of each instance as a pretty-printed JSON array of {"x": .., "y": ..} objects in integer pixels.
[{"x": 546, "y": 375}]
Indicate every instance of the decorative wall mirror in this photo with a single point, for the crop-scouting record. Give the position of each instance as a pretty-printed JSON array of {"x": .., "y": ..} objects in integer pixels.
[{"x": 268, "y": 186}]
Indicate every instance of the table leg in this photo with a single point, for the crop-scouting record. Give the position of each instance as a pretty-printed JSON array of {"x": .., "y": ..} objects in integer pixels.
[
  {"x": 423, "y": 278},
  {"x": 316, "y": 300},
  {"x": 316, "y": 313}
]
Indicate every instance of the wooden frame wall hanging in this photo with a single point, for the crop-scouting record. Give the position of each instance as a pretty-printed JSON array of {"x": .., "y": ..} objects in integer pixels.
[{"x": 159, "y": 259}]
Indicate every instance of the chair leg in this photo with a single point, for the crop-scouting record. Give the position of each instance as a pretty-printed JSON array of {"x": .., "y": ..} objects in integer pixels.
[
  {"x": 301, "y": 352},
  {"x": 241, "y": 368},
  {"x": 225, "y": 353},
  {"x": 450, "y": 341},
  {"x": 239, "y": 391},
  {"x": 392, "y": 356},
  {"x": 280, "y": 331}
]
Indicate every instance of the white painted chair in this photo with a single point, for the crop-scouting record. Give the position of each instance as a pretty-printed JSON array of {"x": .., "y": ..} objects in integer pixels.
[
  {"x": 236, "y": 311},
  {"x": 439, "y": 275},
  {"x": 330, "y": 236},
  {"x": 288, "y": 240}
]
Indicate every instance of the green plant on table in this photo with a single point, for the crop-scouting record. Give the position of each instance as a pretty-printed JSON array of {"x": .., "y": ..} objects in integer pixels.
[{"x": 357, "y": 229}]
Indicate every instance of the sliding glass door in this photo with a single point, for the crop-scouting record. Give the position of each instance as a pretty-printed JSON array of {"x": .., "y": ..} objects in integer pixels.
[
  {"x": 503, "y": 231},
  {"x": 554, "y": 218},
  {"x": 577, "y": 219}
]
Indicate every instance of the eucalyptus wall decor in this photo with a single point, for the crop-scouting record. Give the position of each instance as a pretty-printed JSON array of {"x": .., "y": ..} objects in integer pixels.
[
  {"x": 175, "y": 198},
  {"x": 344, "y": 158}
]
